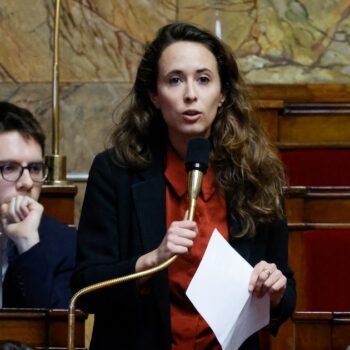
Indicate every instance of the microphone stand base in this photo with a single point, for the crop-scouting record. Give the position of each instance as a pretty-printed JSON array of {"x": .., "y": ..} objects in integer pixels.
[{"x": 57, "y": 169}]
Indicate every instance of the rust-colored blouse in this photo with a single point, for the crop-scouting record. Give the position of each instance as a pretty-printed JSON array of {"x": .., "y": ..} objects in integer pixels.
[{"x": 189, "y": 330}]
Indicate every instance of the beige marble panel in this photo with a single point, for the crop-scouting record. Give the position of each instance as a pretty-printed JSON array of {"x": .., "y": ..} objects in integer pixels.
[
  {"x": 299, "y": 42},
  {"x": 232, "y": 21},
  {"x": 25, "y": 53},
  {"x": 86, "y": 111},
  {"x": 100, "y": 40},
  {"x": 280, "y": 41},
  {"x": 139, "y": 18},
  {"x": 87, "y": 118},
  {"x": 289, "y": 41}
]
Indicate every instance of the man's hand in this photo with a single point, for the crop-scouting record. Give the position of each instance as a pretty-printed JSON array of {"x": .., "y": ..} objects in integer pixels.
[{"x": 20, "y": 219}]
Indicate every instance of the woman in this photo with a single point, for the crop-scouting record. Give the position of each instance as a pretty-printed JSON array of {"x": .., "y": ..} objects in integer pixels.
[{"x": 134, "y": 211}]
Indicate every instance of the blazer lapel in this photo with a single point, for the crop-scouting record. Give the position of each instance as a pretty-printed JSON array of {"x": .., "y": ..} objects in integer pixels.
[{"x": 149, "y": 198}]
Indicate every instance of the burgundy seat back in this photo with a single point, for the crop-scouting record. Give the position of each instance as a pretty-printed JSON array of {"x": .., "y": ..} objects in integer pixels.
[
  {"x": 327, "y": 270},
  {"x": 317, "y": 167}
]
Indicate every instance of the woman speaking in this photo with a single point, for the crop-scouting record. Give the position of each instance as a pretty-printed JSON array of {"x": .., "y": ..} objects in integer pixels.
[{"x": 134, "y": 212}]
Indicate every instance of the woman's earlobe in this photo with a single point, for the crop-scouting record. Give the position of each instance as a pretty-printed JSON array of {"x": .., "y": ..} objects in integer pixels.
[{"x": 153, "y": 99}]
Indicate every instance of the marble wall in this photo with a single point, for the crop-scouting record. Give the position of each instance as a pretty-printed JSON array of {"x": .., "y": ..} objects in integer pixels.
[{"x": 101, "y": 41}]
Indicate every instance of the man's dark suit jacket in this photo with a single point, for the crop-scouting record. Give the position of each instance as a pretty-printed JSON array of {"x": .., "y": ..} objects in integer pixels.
[
  {"x": 123, "y": 217},
  {"x": 40, "y": 277}
]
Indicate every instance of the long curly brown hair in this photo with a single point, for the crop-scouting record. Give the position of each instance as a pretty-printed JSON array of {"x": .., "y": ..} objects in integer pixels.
[{"x": 246, "y": 165}]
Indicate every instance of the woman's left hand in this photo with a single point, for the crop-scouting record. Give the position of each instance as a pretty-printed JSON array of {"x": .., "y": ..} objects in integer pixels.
[{"x": 266, "y": 278}]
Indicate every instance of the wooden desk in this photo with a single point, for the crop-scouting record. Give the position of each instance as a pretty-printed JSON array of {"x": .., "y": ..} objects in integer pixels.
[
  {"x": 321, "y": 330},
  {"x": 41, "y": 328},
  {"x": 58, "y": 202}
]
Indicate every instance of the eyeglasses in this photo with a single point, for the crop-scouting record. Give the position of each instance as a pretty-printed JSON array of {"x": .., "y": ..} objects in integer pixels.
[{"x": 12, "y": 171}]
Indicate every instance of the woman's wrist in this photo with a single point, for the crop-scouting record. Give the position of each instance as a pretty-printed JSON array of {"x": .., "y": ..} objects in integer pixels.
[{"x": 146, "y": 261}]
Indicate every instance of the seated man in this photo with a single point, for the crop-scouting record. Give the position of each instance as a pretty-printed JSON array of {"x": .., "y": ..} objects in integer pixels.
[{"x": 37, "y": 253}]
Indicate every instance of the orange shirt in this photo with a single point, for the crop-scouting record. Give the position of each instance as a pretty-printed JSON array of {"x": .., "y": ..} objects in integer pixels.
[{"x": 189, "y": 330}]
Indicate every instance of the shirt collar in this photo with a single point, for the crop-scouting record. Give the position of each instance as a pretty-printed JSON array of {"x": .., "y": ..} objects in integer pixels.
[{"x": 176, "y": 175}]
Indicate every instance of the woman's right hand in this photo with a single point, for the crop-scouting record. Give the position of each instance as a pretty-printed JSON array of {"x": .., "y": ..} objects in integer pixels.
[{"x": 178, "y": 240}]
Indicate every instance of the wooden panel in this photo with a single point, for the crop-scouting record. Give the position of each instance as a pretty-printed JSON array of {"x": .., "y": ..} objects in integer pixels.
[
  {"x": 309, "y": 93},
  {"x": 268, "y": 112},
  {"x": 313, "y": 208},
  {"x": 284, "y": 339},
  {"x": 304, "y": 115},
  {"x": 341, "y": 335},
  {"x": 269, "y": 120},
  {"x": 58, "y": 328},
  {"x": 324, "y": 207},
  {"x": 321, "y": 330},
  {"x": 58, "y": 202},
  {"x": 315, "y": 129},
  {"x": 316, "y": 337},
  {"x": 295, "y": 204},
  {"x": 327, "y": 210},
  {"x": 328, "y": 205},
  {"x": 308, "y": 116},
  {"x": 41, "y": 328},
  {"x": 32, "y": 326},
  {"x": 308, "y": 208}
]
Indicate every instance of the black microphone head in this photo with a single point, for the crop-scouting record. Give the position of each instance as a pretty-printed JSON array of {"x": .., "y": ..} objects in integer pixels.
[{"x": 197, "y": 154}]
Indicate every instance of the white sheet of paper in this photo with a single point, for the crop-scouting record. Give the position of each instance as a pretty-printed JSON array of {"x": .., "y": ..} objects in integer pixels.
[{"x": 219, "y": 292}]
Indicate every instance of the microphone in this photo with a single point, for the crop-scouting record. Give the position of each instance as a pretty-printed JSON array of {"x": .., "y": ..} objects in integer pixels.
[{"x": 196, "y": 164}]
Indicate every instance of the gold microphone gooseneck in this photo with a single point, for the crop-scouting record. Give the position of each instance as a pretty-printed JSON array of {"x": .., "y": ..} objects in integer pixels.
[{"x": 196, "y": 165}]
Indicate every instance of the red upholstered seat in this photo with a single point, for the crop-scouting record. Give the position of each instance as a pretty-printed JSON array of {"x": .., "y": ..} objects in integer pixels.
[
  {"x": 317, "y": 167},
  {"x": 327, "y": 270}
]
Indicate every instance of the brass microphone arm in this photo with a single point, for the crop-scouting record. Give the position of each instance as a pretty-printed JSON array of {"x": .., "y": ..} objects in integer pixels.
[
  {"x": 193, "y": 190},
  {"x": 108, "y": 283},
  {"x": 55, "y": 86},
  {"x": 56, "y": 162}
]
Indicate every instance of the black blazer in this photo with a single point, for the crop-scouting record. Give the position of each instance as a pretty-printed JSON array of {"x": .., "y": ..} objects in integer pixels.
[
  {"x": 123, "y": 217},
  {"x": 40, "y": 277}
]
